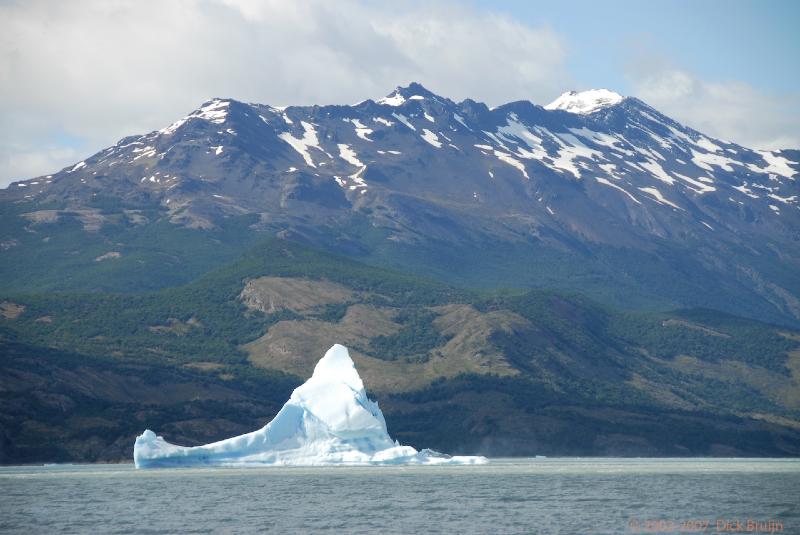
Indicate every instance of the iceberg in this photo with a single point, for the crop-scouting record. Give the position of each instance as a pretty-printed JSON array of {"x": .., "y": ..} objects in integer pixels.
[{"x": 328, "y": 420}]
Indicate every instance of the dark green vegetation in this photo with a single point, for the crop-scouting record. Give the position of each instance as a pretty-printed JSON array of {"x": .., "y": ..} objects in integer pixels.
[
  {"x": 48, "y": 247},
  {"x": 57, "y": 406},
  {"x": 123, "y": 324},
  {"x": 414, "y": 341},
  {"x": 58, "y": 254},
  {"x": 665, "y": 278},
  {"x": 83, "y": 373}
]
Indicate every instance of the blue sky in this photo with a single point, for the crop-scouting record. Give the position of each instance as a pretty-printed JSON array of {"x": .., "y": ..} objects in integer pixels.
[
  {"x": 77, "y": 76},
  {"x": 753, "y": 41}
]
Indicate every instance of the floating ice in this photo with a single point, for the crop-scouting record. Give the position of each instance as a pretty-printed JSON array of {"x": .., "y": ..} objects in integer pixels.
[{"x": 328, "y": 420}]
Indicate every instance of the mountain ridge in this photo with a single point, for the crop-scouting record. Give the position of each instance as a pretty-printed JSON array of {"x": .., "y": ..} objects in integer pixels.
[{"x": 600, "y": 194}]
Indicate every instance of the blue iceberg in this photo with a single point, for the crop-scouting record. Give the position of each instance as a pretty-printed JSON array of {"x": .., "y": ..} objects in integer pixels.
[{"x": 328, "y": 420}]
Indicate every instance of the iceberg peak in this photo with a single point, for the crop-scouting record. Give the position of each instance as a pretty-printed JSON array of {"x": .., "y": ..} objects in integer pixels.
[
  {"x": 328, "y": 420},
  {"x": 337, "y": 365},
  {"x": 585, "y": 102}
]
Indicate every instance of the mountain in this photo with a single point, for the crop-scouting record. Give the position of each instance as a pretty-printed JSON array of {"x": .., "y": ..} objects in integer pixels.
[
  {"x": 587, "y": 277},
  {"x": 594, "y": 192},
  {"x": 462, "y": 371}
]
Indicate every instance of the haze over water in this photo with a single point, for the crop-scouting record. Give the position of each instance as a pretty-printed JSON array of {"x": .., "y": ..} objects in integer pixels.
[{"x": 538, "y": 496}]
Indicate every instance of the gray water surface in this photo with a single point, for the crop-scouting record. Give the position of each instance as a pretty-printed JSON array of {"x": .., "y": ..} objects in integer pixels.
[{"x": 536, "y": 496}]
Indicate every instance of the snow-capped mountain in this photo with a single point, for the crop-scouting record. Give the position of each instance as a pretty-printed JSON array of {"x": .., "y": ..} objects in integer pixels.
[{"x": 591, "y": 187}]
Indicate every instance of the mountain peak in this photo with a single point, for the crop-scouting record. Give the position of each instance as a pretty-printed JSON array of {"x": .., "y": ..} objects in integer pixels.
[
  {"x": 585, "y": 102},
  {"x": 414, "y": 88},
  {"x": 413, "y": 91},
  {"x": 214, "y": 110}
]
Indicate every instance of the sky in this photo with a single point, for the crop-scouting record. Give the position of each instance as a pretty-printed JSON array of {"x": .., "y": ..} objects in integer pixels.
[{"x": 77, "y": 76}]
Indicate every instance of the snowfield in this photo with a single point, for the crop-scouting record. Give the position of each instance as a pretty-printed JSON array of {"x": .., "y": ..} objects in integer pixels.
[{"x": 328, "y": 420}]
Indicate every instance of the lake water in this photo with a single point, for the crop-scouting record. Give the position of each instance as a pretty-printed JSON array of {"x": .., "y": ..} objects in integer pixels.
[{"x": 531, "y": 496}]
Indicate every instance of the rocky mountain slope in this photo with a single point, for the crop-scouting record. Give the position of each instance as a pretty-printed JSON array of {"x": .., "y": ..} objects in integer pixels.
[
  {"x": 520, "y": 373},
  {"x": 593, "y": 192}
]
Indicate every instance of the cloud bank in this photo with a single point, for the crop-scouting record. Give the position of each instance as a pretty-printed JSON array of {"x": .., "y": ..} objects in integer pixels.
[{"x": 733, "y": 111}]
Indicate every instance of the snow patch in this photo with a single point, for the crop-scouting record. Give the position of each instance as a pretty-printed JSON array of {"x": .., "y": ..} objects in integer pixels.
[
  {"x": 775, "y": 164},
  {"x": 657, "y": 171},
  {"x": 698, "y": 186},
  {"x": 659, "y": 197},
  {"x": 585, "y": 102},
  {"x": 610, "y": 169},
  {"x": 607, "y": 182},
  {"x": 599, "y": 138},
  {"x": 431, "y": 138},
  {"x": 510, "y": 160},
  {"x": 395, "y": 99},
  {"x": 214, "y": 111},
  {"x": 145, "y": 152},
  {"x": 517, "y": 130},
  {"x": 357, "y": 180},
  {"x": 785, "y": 200},
  {"x": 361, "y": 130},
  {"x": 706, "y": 160},
  {"x": 301, "y": 145},
  {"x": 705, "y": 143},
  {"x": 347, "y": 154},
  {"x": 402, "y": 118},
  {"x": 747, "y": 191},
  {"x": 571, "y": 149}
]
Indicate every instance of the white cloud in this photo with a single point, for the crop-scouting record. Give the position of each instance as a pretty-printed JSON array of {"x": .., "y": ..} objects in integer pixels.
[
  {"x": 99, "y": 70},
  {"x": 733, "y": 111}
]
